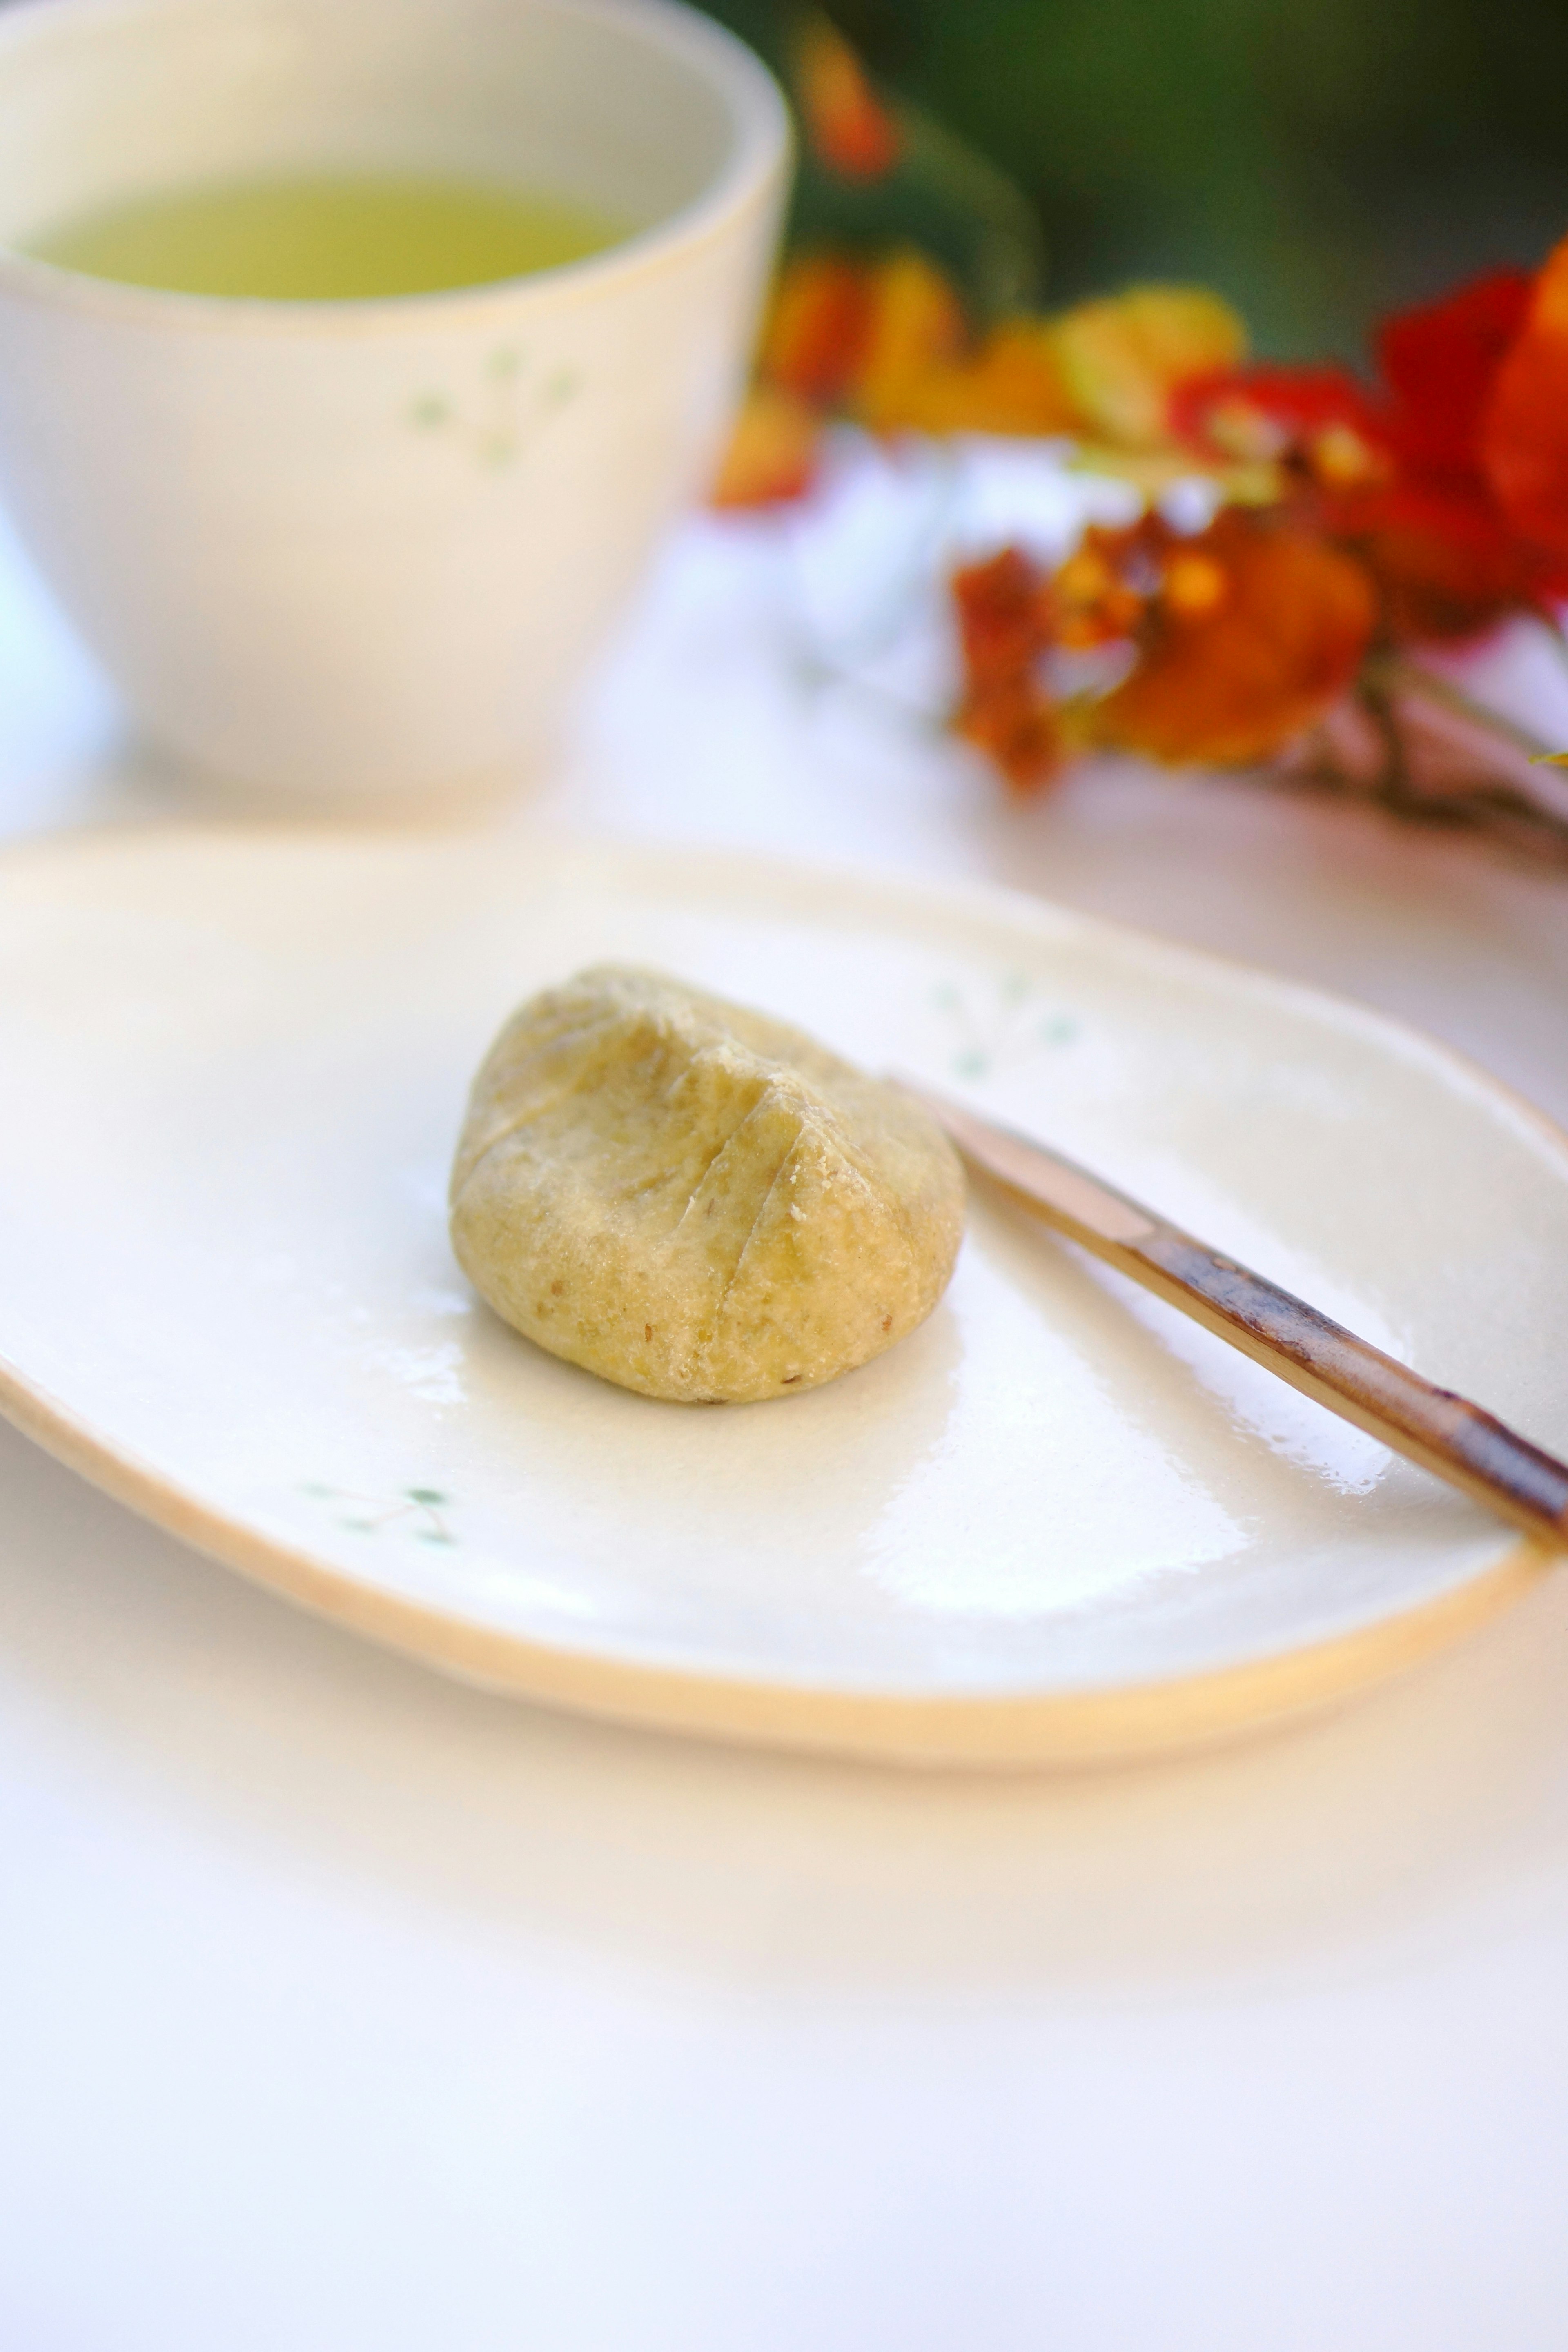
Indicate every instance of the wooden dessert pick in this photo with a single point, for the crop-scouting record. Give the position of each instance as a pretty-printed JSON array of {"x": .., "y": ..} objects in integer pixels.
[{"x": 1442, "y": 1431}]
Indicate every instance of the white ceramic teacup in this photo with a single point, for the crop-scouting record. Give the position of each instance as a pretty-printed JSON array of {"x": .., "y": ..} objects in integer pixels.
[{"x": 358, "y": 549}]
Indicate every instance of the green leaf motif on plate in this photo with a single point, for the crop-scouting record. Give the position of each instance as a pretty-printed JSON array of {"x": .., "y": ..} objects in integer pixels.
[
  {"x": 999, "y": 1028},
  {"x": 417, "y": 1512}
]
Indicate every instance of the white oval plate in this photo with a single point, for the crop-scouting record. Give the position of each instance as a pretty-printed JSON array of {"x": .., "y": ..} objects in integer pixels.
[{"x": 1057, "y": 1522}]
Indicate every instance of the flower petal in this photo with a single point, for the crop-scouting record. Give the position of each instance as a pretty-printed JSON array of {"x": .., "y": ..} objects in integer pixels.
[
  {"x": 849, "y": 128},
  {"x": 1440, "y": 361},
  {"x": 915, "y": 329},
  {"x": 1524, "y": 433},
  {"x": 817, "y": 326},
  {"x": 1229, "y": 677},
  {"x": 772, "y": 452},
  {"x": 1122, "y": 358}
]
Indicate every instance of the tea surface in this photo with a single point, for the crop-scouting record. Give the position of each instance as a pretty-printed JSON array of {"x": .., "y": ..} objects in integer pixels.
[{"x": 328, "y": 237}]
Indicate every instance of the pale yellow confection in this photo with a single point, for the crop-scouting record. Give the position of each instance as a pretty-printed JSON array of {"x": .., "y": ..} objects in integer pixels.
[{"x": 694, "y": 1199}]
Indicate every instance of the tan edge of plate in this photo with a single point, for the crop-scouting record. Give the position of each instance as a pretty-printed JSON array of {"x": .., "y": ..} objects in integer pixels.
[{"x": 1081, "y": 1727}]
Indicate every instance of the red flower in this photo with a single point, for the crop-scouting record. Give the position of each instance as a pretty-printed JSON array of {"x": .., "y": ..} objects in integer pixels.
[
  {"x": 1318, "y": 421},
  {"x": 1440, "y": 362},
  {"x": 1397, "y": 475},
  {"x": 1447, "y": 562},
  {"x": 1524, "y": 429},
  {"x": 1447, "y": 555}
]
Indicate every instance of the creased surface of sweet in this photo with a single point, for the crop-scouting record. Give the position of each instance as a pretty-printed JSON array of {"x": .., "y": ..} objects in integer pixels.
[{"x": 694, "y": 1199}]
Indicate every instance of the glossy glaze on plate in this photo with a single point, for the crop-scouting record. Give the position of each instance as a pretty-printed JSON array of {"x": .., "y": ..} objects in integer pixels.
[{"x": 1059, "y": 1521}]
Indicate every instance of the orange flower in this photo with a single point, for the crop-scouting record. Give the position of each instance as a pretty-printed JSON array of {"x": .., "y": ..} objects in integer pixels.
[
  {"x": 1098, "y": 595},
  {"x": 1524, "y": 431},
  {"x": 772, "y": 452},
  {"x": 920, "y": 372},
  {"x": 1244, "y": 635},
  {"x": 888, "y": 342},
  {"x": 1004, "y": 616},
  {"x": 817, "y": 327},
  {"x": 849, "y": 128},
  {"x": 1010, "y": 384},
  {"x": 1250, "y": 632},
  {"x": 1122, "y": 359},
  {"x": 1018, "y": 730},
  {"x": 916, "y": 332},
  {"x": 1003, "y": 610}
]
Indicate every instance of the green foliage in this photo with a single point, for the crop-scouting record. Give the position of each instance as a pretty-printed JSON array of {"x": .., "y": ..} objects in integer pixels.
[
  {"x": 1317, "y": 161},
  {"x": 943, "y": 195}
]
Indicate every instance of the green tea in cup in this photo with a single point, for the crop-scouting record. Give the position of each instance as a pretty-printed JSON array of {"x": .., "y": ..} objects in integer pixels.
[
  {"x": 354, "y": 536},
  {"x": 327, "y": 238}
]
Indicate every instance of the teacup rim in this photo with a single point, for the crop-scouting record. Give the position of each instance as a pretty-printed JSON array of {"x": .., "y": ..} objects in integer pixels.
[{"x": 759, "y": 161}]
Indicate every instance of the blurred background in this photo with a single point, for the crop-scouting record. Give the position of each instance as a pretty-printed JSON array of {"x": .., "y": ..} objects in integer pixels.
[{"x": 1319, "y": 161}]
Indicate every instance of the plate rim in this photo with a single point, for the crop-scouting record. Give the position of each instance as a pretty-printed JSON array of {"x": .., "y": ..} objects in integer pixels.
[
  {"x": 997, "y": 1728},
  {"x": 1114, "y": 1723}
]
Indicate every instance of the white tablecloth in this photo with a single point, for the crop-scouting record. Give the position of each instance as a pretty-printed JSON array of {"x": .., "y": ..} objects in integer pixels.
[{"x": 345, "y": 2009}]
